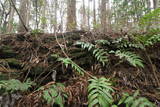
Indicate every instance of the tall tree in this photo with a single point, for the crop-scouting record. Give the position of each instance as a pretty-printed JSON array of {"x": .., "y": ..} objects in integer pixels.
[
  {"x": 155, "y": 4},
  {"x": 103, "y": 15},
  {"x": 94, "y": 12},
  {"x": 88, "y": 14},
  {"x": 23, "y": 13},
  {"x": 55, "y": 14},
  {"x": 71, "y": 15},
  {"x": 11, "y": 18},
  {"x": 43, "y": 18},
  {"x": 84, "y": 18}
]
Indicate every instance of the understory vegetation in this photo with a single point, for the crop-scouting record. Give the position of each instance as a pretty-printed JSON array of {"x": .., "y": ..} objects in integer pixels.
[
  {"x": 66, "y": 77},
  {"x": 79, "y": 53}
]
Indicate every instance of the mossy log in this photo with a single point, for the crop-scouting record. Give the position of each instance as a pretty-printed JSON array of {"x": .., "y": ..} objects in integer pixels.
[{"x": 7, "y": 51}]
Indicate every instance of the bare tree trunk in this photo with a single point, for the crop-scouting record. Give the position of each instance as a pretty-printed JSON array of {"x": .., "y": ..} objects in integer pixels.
[
  {"x": 43, "y": 25},
  {"x": 88, "y": 14},
  {"x": 23, "y": 13},
  {"x": 84, "y": 19},
  {"x": 103, "y": 16},
  {"x": 155, "y": 4},
  {"x": 94, "y": 13},
  {"x": 55, "y": 15},
  {"x": 10, "y": 20},
  {"x": 5, "y": 14},
  {"x": 71, "y": 15},
  {"x": 149, "y": 4},
  {"x": 108, "y": 13},
  {"x": 62, "y": 13}
]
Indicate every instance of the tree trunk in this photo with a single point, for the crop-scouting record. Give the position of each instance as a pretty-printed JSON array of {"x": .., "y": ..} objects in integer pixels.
[
  {"x": 23, "y": 13},
  {"x": 88, "y": 14},
  {"x": 10, "y": 20},
  {"x": 155, "y": 4},
  {"x": 149, "y": 4},
  {"x": 94, "y": 13},
  {"x": 84, "y": 19},
  {"x": 103, "y": 16},
  {"x": 71, "y": 15},
  {"x": 43, "y": 20},
  {"x": 55, "y": 15}
]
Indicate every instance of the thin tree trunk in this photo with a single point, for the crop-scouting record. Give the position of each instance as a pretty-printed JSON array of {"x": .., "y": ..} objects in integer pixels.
[
  {"x": 88, "y": 14},
  {"x": 155, "y": 4},
  {"x": 103, "y": 16},
  {"x": 55, "y": 15},
  {"x": 71, "y": 15},
  {"x": 23, "y": 14},
  {"x": 10, "y": 20},
  {"x": 43, "y": 25},
  {"x": 84, "y": 20},
  {"x": 94, "y": 13}
]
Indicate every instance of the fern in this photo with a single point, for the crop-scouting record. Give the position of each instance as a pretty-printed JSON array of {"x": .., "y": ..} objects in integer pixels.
[
  {"x": 122, "y": 43},
  {"x": 53, "y": 94},
  {"x": 85, "y": 45},
  {"x": 150, "y": 17},
  {"x": 100, "y": 92},
  {"x": 15, "y": 85},
  {"x": 148, "y": 40},
  {"x": 103, "y": 42},
  {"x": 135, "y": 101},
  {"x": 132, "y": 58},
  {"x": 68, "y": 61},
  {"x": 99, "y": 54},
  {"x": 152, "y": 40}
]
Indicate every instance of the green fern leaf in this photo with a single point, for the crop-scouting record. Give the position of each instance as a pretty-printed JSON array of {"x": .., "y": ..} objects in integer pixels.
[
  {"x": 53, "y": 94},
  {"x": 132, "y": 58},
  {"x": 99, "y": 93}
]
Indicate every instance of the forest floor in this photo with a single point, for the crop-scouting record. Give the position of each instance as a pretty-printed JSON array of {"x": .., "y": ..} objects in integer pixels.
[{"x": 30, "y": 55}]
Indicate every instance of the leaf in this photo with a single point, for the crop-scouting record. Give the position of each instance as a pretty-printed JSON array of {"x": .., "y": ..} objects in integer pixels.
[
  {"x": 98, "y": 93},
  {"x": 93, "y": 103}
]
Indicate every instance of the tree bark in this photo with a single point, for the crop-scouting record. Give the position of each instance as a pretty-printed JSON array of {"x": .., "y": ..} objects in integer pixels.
[
  {"x": 55, "y": 15},
  {"x": 10, "y": 20},
  {"x": 94, "y": 13},
  {"x": 23, "y": 14},
  {"x": 155, "y": 4},
  {"x": 84, "y": 18},
  {"x": 88, "y": 14},
  {"x": 103, "y": 16},
  {"x": 71, "y": 15}
]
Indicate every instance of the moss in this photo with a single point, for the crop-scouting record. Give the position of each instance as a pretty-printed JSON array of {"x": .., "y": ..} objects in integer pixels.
[
  {"x": 37, "y": 70},
  {"x": 7, "y": 52},
  {"x": 6, "y": 74},
  {"x": 14, "y": 63}
]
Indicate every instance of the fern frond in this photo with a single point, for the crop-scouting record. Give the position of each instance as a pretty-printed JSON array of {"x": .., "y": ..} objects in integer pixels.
[
  {"x": 85, "y": 45},
  {"x": 132, "y": 58},
  {"x": 15, "y": 85},
  {"x": 68, "y": 61},
  {"x": 152, "y": 40},
  {"x": 148, "y": 40},
  {"x": 122, "y": 43},
  {"x": 135, "y": 101},
  {"x": 53, "y": 94},
  {"x": 100, "y": 92},
  {"x": 99, "y": 54},
  {"x": 149, "y": 18},
  {"x": 103, "y": 42}
]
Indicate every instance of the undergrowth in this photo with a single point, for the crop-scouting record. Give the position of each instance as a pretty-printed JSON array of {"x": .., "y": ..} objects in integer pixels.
[{"x": 100, "y": 90}]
